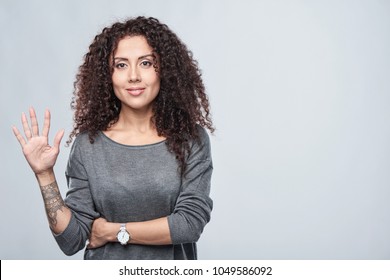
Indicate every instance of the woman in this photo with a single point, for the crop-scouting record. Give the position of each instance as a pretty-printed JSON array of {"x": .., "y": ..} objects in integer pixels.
[{"x": 140, "y": 167}]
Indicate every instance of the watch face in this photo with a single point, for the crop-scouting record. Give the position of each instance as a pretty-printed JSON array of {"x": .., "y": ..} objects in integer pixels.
[{"x": 123, "y": 237}]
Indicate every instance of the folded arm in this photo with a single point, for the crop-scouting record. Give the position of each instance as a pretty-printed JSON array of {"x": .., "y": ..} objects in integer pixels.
[{"x": 188, "y": 219}]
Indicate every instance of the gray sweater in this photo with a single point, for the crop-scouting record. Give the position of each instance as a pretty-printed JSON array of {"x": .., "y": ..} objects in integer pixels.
[{"x": 136, "y": 183}]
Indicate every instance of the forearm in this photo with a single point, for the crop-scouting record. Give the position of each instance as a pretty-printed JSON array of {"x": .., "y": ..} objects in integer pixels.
[
  {"x": 153, "y": 232},
  {"x": 57, "y": 213}
]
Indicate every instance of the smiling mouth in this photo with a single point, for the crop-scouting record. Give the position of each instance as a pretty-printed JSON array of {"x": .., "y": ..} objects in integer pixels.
[{"x": 135, "y": 91}]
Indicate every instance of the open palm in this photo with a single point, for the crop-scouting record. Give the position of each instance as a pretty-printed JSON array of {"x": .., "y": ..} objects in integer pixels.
[{"x": 39, "y": 154}]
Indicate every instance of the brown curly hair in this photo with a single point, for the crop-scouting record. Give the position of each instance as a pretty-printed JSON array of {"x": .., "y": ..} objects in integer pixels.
[{"x": 178, "y": 109}]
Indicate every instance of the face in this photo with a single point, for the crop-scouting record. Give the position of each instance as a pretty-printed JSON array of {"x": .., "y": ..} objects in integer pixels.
[{"x": 135, "y": 81}]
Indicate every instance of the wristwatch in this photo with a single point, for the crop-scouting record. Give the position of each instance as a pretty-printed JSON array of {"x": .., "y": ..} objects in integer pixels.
[{"x": 123, "y": 235}]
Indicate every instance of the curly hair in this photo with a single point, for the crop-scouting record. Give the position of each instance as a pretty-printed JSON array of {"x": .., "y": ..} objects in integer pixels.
[{"x": 180, "y": 106}]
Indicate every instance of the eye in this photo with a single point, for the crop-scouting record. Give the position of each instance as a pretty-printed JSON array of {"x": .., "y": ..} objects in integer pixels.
[
  {"x": 146, "y": 64},
  {"x": 120, "y": 65}
]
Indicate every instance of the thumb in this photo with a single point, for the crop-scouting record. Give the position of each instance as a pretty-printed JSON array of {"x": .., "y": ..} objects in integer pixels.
[{"x": 58, "y": 138}]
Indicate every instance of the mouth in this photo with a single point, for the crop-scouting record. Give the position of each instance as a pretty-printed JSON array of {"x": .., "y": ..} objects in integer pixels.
[{"x": 135, "y": 91}]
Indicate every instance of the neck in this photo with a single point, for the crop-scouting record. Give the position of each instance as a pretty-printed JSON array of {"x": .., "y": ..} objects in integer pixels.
[
  {"x": 134, "y": 128},
  {"x": 139, "y": 121}
]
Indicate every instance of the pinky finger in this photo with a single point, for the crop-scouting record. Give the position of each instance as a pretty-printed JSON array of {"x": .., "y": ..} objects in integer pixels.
[{"x": 18, "y": 136}]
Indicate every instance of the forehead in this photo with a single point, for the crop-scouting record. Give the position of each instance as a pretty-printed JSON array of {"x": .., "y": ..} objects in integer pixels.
[{"x": 133, "y": 46}]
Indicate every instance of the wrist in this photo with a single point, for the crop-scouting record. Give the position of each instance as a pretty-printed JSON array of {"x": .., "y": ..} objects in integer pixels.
[
  {"x": 46, "y": 177},
  {"x": 112, "y": 232},
  {"x": 123, "y": 236},
  {"x": 109, "y": 231}
]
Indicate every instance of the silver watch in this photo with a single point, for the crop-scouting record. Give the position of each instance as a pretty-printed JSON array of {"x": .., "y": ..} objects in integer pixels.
[{"x": 123, "y": 235}]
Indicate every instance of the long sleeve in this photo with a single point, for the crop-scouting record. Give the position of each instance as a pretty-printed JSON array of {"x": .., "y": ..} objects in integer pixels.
[
  {"x": 193, "y": 207},
  {"x": 79, "y": 200},
  {"x": 133, "y": 184}
]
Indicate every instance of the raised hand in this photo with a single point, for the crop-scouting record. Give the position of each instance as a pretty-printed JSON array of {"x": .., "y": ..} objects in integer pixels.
[{"x": 39, "y": 154}]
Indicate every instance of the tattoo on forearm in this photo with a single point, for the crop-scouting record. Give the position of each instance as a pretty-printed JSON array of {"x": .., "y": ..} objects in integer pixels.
[{"x": 53, "y": 202}]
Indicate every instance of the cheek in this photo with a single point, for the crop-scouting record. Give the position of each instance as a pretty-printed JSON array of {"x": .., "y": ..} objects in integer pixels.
[
  {"x": 158, "y": 83},
  {"x": 154, "y": 81},
  {"x": 157, "y": 86},
  {"x": 118, "y": 78},
  {"x": 114, "y": 79}
]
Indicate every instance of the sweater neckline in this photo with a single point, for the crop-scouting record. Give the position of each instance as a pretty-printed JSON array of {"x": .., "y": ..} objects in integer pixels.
[{"x": 108, "y": 139}]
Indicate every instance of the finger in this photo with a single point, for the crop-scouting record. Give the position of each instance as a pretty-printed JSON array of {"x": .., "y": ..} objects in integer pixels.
[
  {"x": 46, "y": 124},
  {"x": 20, "y": 138},
  {"x": 34, "y": 122},
  {"x": 26, "y": 127},
  {"x": 58, "y": 138}
]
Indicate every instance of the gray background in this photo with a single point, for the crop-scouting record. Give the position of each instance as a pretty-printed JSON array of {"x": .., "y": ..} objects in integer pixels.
[{"x": 300, "y": 97}]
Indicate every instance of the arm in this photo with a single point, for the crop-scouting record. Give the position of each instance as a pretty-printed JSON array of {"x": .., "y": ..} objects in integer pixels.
[
  {"x": 79, "y": 200},
  {"x": 153, "y": 232},
  {"x": 58, "y": 214},
  {"x": 41, "y": 158},
  {"x": 190, "y": 215}
]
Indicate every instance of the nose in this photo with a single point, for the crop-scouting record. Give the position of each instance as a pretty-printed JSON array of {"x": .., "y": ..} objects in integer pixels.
[{"x": 134, "y": 75}]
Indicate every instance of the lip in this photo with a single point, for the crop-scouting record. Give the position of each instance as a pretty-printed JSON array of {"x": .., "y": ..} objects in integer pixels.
[{"x": 135, "y": 91}]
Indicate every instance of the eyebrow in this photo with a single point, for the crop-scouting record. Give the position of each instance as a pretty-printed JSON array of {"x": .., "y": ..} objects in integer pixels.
[{"x": 139, "y": 58}]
